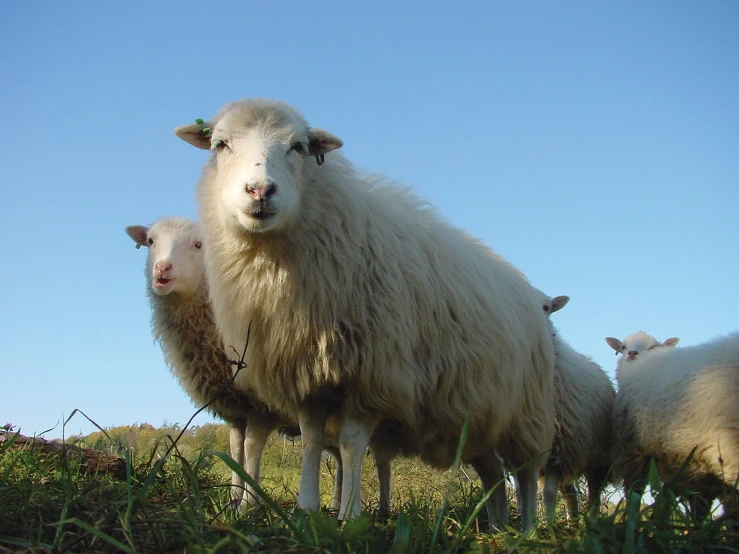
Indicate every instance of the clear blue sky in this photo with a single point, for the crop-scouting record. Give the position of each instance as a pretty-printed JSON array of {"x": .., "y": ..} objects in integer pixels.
[{"x": 593, "y": 144}]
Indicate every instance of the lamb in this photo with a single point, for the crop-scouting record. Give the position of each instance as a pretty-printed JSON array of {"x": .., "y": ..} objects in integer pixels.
[
  {"x": 583, "y": 404},
  {"x": 673, "y": 402},
  {"x": 365, "y": 304}
]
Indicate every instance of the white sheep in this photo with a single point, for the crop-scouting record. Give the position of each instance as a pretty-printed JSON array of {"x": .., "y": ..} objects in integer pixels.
[
  {"x": 365, "y": 303},
  {"x": 183, "y": 324},
  {"x": 583, "y": 404},
  {"x": 671, "y": 401}
]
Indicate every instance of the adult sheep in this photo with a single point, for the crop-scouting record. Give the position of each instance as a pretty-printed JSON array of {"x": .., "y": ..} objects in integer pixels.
[
  {"x": 183, "y": 324},
  {"x": 365, "y": 303},
  {"x": 583, "y": 406},
  {"x": 673, "y": 402}
]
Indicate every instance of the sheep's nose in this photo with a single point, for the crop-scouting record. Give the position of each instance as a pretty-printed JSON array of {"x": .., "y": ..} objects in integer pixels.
[
  {"x": 261, "y": 192},
  {"x": 162, "y": 267},
  {"x": 631, "y": 354}
]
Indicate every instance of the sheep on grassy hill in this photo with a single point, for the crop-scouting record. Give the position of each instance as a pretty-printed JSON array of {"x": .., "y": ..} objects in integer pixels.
[
  {"x": 674, "y": 403},
  {"x": 182, "y": 323},
  {"x": 365, "y": 303},
  {"x": 583, "y": 404}
]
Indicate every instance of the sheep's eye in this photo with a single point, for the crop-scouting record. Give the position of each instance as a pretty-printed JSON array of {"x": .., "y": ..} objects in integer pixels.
[
  {"x": 150, "y": 241},
  {"x": 220, "y": 145},
  {"x": 298, "y": 147},
  {"x": 623, "y": 347},
  {"x": 198, "y": 245}
]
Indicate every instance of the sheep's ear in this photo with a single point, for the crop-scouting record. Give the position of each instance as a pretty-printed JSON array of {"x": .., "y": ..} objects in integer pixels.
[
  {"x": 320, "y": 142},
  {"x": 198, "y": 134},
  {"x": 139, "y": 234},
  {"x": 559, "y": 302},
  {"x": 671, "y": 341},
  {"x": 614, "y": 343}
]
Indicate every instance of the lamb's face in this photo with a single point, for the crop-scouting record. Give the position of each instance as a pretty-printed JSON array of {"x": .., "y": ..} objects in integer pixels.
[
  {"x": 175, "y": 261},
  {"x": 261, "y": 149},
  {"x": 634, "y": 346}
]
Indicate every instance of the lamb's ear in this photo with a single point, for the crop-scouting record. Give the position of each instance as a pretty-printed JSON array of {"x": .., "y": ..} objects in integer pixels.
[
  {"x": 559, "y": 302},
  {"x": 672, "y": 341},
  {"x": 139, "y": 234},
  {"x": 614, "y": 343},
  {"x": 198, "y": 134},
  {"x": 320, "y": 142}
]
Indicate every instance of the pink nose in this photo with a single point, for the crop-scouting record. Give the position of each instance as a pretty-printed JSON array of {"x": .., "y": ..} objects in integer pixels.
[
  {"x": 631, "y": 354},
  {"x": 162, "y": 267},
  {"x": 261, "y": 192}
]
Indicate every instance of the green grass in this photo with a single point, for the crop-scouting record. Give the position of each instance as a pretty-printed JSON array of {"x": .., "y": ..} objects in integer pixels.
[{"x": 179, "y": 503}]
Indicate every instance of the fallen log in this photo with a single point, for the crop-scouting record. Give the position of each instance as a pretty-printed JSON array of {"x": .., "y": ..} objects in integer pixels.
[{"x": 91, "y": 462}]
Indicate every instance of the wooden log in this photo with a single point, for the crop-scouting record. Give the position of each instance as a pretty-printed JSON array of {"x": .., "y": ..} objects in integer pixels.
[{"x": 91, "y": 462}]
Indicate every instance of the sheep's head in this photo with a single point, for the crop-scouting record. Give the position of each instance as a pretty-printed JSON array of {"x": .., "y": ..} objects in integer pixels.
[
  {"x": 260, "y": 148},
  {"x": 634, "y": 345},
  {"x": 175, "y": 261}
]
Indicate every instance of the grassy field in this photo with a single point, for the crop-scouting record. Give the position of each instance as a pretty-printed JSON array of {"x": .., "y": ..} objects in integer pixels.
[{"x": 175, "y": 499}]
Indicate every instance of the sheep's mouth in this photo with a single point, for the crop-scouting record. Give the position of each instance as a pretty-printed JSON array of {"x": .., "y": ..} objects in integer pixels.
[
  {"x": 261, "y": 212},
  {"x": 162, "y": 282}
]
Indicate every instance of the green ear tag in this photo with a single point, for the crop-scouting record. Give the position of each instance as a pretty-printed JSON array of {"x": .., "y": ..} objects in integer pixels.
[
  {"x": 205, "y": 130},
  {"x": 199, "y": 121}
]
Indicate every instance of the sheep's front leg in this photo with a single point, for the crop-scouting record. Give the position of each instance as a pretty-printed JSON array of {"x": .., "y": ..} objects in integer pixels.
[
  {"x": 255, "y": 441},
  {"x": 527, "y": 483},
  {"x": 490, "y": 470},
  {"x": 312, "y": 421},
  {"x": 236, "y": 431},
  {"x": 354, "y": 437},
  {"x": 338, "y": 478},
  {"x": 384, "y": 463},
  {"x": 549, "y": 492}
]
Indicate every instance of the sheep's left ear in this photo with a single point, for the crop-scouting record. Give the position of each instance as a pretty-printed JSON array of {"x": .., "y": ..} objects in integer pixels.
[
  {"x": 198, "y": 134},
  {"x": 614, "y": 343},
  {"x": 139, "y": 234},
  {"x": 559, "y": 302},
  {"x": 671, "y": 341},
  {"x": 320, "y": 142}
]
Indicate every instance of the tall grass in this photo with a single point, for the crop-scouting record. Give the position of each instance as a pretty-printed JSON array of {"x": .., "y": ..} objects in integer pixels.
[{"x": 180, "y": 503}]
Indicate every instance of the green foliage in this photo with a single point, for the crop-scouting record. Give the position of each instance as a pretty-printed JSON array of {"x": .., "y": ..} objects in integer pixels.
[{"x": 176, "y": 499}]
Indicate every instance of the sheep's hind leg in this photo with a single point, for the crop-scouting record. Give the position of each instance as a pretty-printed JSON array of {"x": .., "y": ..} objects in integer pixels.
[
  {"x": 255, "y": 441},
  {"x": 236, "y": 430},
  {"x": 354, "y": 438},
  {"x": 312, "y": 420},
  {"x": 527, "y": 482}
]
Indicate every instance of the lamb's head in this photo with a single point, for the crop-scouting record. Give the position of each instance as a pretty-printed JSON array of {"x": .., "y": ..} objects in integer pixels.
[
  {"x": 634, "y": 345},
  {"x": 260, "y": 150},
  {"x": 175, "y": 260}
]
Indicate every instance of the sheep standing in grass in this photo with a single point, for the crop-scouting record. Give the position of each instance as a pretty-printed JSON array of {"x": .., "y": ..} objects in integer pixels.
[
  {"x": 674, "y": 401},
  {"x": 364, "y": 303},
  {"x": 183, "y": 324},
  {"x": 583, "y": 404}
]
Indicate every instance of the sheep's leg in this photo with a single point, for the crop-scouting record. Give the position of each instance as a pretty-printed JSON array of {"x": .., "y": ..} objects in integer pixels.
[
  {"x": 596, "y": 481},
  {"x": 527, "y": 486},
  {"x": 312, "y": 421},
  {"x": 699, "y": 507},
  {"x": 354, "y": 438},
  {"x": 384, "y": 464},
  {"x": 255, "y": 441},
  {"x": 338, "y": 477},
  {"x": 236, "y": 431},
  {"x": 569, "y": 493},
  {"x": 552, "y": 478},
  {"x": 490, "y": 470}
]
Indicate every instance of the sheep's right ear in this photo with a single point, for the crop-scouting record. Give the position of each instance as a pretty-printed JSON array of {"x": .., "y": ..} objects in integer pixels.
[
  {"x": 139, "y": 234},
  {"x": 559, "y": 302},
  {"x": 198, "y": 134},
  {"x": 671, "y": 341},
  {"x": 614, "y": 343}
]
